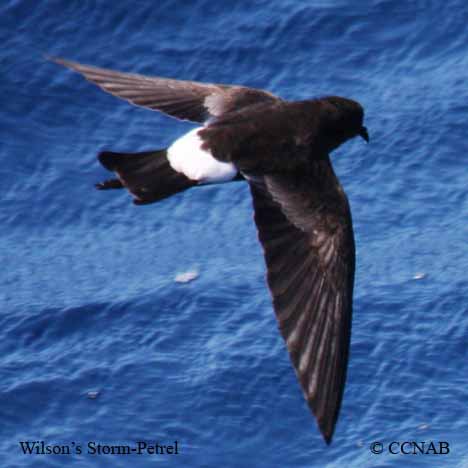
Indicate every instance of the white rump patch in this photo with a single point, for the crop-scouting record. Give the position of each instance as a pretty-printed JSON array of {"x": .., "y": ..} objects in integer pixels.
[{"x": 186, "y": 156}]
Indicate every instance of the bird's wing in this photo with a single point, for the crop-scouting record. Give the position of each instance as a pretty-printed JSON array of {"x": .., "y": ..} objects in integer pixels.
[
  {"x": 185, "y": 100},
  {"x": 304, "y": 225}
]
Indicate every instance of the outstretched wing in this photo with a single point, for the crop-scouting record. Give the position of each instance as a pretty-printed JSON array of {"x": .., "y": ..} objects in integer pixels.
[
  {"x": 304, "y": 225},
  {"x": 185, "y": 100}
]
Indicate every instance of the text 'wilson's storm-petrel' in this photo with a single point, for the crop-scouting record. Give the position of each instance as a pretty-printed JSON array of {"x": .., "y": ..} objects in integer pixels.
[{"x": 281, "y": 149}]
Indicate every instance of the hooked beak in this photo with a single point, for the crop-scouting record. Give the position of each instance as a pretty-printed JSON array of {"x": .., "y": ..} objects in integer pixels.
[{"x": 363, "y": 133}]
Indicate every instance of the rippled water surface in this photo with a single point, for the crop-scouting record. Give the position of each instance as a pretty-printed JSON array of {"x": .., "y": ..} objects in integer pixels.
[{"x": 97, "y": 340}]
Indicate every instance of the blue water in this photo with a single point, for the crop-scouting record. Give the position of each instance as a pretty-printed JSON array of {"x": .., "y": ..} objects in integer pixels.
[{"x": 89, "y": 301}]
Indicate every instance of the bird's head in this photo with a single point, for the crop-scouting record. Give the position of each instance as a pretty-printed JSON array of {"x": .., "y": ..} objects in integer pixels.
[{"x": 341, "y": 119}]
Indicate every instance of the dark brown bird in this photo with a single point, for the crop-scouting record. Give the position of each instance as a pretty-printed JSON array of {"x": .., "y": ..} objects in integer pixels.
[{"x": 281, "y": 149}]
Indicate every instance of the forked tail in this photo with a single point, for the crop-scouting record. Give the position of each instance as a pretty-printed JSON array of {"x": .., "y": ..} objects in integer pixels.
[{"x": 148, "y": 176}]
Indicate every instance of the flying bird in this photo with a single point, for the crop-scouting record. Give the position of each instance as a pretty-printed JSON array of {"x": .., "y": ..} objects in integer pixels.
[{"x": 281, "y": 149}]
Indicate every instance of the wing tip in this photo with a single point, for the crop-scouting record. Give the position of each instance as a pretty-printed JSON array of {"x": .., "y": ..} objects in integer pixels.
[
  {"x": 326, "y": 423},
  {"x": 75, "y": 66},
  {"x": 58, "y": 60},
  {"x": 327, "y": 433}
]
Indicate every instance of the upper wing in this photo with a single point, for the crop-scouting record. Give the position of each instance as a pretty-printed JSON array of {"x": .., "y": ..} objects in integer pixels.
[
  {"x": 304, "y": 224},
  {"x": 186, "y": 100}
]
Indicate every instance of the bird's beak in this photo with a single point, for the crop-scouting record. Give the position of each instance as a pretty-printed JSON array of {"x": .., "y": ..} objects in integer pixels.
[{"x": 364, "y": 134}]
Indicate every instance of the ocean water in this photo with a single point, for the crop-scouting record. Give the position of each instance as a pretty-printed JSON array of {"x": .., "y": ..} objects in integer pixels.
[{"x": 99, "y": 343}]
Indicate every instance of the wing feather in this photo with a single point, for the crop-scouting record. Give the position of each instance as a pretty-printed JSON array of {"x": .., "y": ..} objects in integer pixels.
[
  {"x": 304, "y": 225},
  {"x": 185, "y": 100}
]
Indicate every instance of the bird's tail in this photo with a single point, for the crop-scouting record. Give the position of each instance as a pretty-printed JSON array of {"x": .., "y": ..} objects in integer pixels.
[{"x": 147, "y": 175}]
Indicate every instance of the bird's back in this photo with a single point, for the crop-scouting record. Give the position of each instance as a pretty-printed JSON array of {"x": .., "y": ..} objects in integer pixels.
[{"x": 267, "y": 137}]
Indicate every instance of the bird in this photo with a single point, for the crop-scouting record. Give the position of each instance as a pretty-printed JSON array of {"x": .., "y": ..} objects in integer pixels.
[{"x": 281, "y": 149}]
